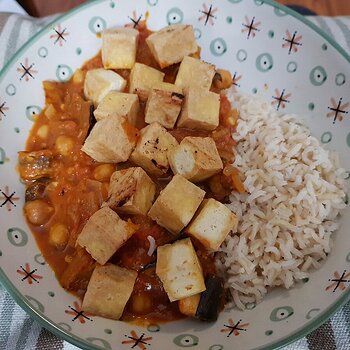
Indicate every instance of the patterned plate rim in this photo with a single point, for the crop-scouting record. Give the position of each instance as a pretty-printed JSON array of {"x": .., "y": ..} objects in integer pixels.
[{"x": 46, "y": 322}]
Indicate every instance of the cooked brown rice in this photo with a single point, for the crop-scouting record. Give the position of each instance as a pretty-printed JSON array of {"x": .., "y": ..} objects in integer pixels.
[{"x": 295, "y": 191}]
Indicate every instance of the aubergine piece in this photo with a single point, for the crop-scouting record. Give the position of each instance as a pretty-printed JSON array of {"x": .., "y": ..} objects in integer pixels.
[
  {"x": 92, "y": 120},
  {"x": 35, "y": 165},
  {"x": 36, "y": 190},
  {"x": 210, "y": 301}
]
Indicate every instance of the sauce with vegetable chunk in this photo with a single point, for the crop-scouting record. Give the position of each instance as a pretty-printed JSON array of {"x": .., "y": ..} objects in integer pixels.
[{"x": 65, "y": 187}]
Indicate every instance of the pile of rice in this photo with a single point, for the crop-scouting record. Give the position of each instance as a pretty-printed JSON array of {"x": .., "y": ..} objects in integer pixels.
[{"x": 295, "y": 191}]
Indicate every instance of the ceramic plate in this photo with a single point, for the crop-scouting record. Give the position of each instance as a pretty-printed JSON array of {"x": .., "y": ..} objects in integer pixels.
[{"x": 270, "y": 51}]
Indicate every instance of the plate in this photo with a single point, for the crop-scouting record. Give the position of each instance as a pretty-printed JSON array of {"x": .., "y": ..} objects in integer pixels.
[{"x": 271, "y": 51}]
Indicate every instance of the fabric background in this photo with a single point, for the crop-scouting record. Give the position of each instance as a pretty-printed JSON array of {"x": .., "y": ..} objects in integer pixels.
[{"x": 18, "y": 331}]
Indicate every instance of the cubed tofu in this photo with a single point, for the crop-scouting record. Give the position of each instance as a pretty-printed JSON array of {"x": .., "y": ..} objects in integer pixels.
[
  {"x": 171, "y": 44},
  {"x": 188, "y": 306},
  {"x": 111, "y": 140},
  {"x": 152, "y": 149},
  {"x": 200, "y": 111},
  {"x": 118, "y": 104},
  {"x": 119, "y": 47},
  {"x": 212, "y": 223},
  {"x": 99, "y": 82},
  {"x": 168, "y": 87},
  {"x": 196, "y": 158},
  {"x": 131, "y": 191},
  {"x": 108, "y": 291},
  {"x": 195, "y": 73},
  {"x": 176, "y": 204},
  {"x": 142, "y": 79},
  {"x": 163, "y": 107},
  {"x": 179, "y": 270},
  {"x": 104, "y": 233}
]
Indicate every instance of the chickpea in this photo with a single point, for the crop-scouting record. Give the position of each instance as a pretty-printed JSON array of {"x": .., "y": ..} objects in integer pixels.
[
  {"x": 64, "y": 145},
  {"x": 59, "y": 235},
  {"x": 141, "y": 304},
  {"x": 222, "y": 79},
  {"x": 43, "y": 131},
  {"x": 68, "y": 259},
  {"x": 50, "y": 111},
  {"x": 78, "y": 76},
  {"x": 38, "y": 212},
  {"x": 103, "y": 172}
]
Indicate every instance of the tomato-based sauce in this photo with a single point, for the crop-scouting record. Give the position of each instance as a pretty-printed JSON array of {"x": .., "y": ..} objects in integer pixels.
[{"x": 68, "y": 187}]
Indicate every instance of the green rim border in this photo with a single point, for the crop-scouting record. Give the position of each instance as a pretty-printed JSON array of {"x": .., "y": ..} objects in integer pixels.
[{"x": 47, "y": 323}]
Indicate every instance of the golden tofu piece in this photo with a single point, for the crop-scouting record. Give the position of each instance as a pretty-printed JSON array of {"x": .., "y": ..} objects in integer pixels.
[
  {"x": 179, "y": 270},
  {"x": 196, "y": 158},
  {"x": 188, "y": 306},
  {"x": 168, "y": 87},
  {"x": 212, "y": 223},
  {"x": 163, "y": 107},
  {"x": 171, "y": 44},
  {"x": 119, "y": 47},
  {"x": 142, "y": 79},
  {"x": 176, "y": 204},
  {"x": 195, "y": 73},
  {"x": 200, "y": 111},
  {"x": 111, "y": 140},
  {"x": 131, "y": 191},
  {"x": 99, "y": 82},
  {"x": 104, "y": 233},
  {"x": 152, "y": 149},
  {"x": 108, "y": 291},
  {"x": 118, "y": 104}
]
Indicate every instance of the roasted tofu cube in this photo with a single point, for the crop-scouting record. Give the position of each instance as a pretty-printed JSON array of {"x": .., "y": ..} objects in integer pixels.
[
  {"x": 200, "y": 111},
  {"x": 120, "y": 104},
  {"x": 188, "y": 306},
  {"x": 176, "y": 204},
  {"x": 171, "y": 44},
  {"x": 99, "y": 82},
  {"x": 168, "y": 87},
  {"x": 163, "y": 107},
  {"x": 212, "y": 223},
  {"x": 104, "y": 233},
  {"x": 131, "y": 191},
  {"x": 108, "y": 291},
  {"x": 111, "y": 140},
  {"x": 152, "y": 149},
  {"x": 142, "y": 79},
  {"x": 196, "y": 158},
  {"x": 195, "y": 73},
  {"x": 119, "y": 47},
  {"x": 179, "y": 270}
]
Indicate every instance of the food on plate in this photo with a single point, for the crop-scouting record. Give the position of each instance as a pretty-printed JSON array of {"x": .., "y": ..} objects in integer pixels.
[
  {"x": 179, "y": 270},
  {"x": 131, "y": 191},
  {"x": 156, "y": 194},
  {"x": 212, "y": 223},
  {"x": 109, "y": 290},
  {"x": 171, "y": 44},
  {"x": 151, "y": 150},
  {"x": 111, "y": 140},
  {"x": 118, "y": 104},
  {"x": 119, "y": 48},
  {"x": 196, "y": 158},
  {"x": 176, "y": 204},
  {"x": 195, "y": 73},
  {"x": 142, "y": 79},
  {"x": 104, "y": 233},
  {"x": 295, "y": 190},
  {"x": 99, "y": 82},
  {"x": 201, "y": 109}
]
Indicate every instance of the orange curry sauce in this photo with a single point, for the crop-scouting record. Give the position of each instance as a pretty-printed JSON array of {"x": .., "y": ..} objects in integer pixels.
[{"x": 72, "y": 193}]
